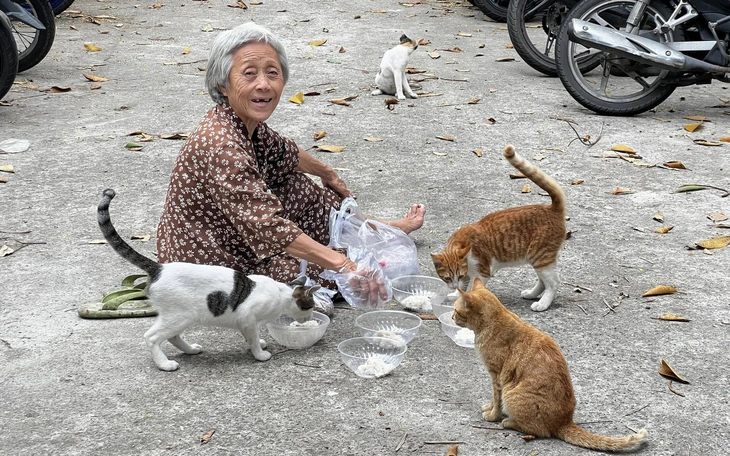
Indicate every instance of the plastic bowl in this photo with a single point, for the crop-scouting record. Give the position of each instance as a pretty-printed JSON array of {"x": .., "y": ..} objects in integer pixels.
[
  {"x": 285, "y": 331},
  {"x": 371, "y": 357},
  {"x": 392, "y": 324},
  {"x": 410, "y": 290},
  {"x": 447, "y": 305},
  {"x": 462, "y": 337}
]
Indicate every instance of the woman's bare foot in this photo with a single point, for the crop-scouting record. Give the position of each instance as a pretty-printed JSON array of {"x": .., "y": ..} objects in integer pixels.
[{"x": 413, "y": 219}]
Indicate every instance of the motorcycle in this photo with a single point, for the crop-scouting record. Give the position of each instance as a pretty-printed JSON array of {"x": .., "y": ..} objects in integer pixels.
[
  {"x": 59, "y": 6},
  {"x": 661, "y": 45},
  {"x": 33, "y": 27},
  {"x": 8, "y": 56}
]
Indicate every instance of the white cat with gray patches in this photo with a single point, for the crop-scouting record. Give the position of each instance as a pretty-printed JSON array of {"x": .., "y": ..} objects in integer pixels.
[
  {"x": 186, "y": 294},
  {"x": 391, "y": 78}
]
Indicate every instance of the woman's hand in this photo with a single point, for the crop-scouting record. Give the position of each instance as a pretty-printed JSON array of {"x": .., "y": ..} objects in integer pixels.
[
  {"x": 367, "y": 285},
  {"x": 336, "y": 184}
]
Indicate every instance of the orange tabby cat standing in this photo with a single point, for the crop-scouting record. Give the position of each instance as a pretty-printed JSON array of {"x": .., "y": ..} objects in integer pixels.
[
  {"x": 531, "y": 383},
  {"x": 510, "y": 237}
]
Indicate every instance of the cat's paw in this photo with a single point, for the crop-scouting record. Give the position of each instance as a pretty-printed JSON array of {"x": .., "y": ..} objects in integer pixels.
[
  {"x": 413, "y": 95},
  {"x": 194, "y": 349},
  {"x": 487, "y": 408},
  {"x": 492, "y": 415},
  {"x": 530, "y": 294},
  {"x": 401, "y": 96},
  {"x": 376, "y": 92},
  {"x": 263, "y": 356},
  {"x": 262, "y": 343},
  {"x": 168, "y": 366},
  {"x": 540, "y": 305}
]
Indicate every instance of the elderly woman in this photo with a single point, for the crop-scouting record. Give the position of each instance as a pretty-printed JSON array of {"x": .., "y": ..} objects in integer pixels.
[{"x": 238, "y": 195}]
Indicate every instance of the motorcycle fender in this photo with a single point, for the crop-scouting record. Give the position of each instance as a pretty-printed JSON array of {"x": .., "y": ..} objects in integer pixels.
[{"x": 16, "y": 12}]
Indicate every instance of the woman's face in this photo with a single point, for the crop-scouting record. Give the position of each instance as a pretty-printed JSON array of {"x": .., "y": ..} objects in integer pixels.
[{"x": 255, "y": 83}]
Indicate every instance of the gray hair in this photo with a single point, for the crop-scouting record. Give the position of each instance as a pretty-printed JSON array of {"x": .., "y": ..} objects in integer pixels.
[{"x": 226, "y": 43}]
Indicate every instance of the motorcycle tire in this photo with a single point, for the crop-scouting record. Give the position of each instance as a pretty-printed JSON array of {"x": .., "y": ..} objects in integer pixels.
[
  {"x": 493, "y": 9},
  {"x": 8, "y": 59},
  {"x": 33, "y": 45},
  {"x": 536, "y": 45},
  {"x": 618, "y": 87},
  {"x": 59, "y": 6}
]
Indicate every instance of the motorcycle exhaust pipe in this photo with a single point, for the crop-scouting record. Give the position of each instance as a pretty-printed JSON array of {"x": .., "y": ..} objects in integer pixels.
[{"x": 635, "y": 47}]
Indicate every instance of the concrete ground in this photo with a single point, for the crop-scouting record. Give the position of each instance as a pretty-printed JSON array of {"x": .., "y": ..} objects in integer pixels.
[{"x": 76, "y": 386}]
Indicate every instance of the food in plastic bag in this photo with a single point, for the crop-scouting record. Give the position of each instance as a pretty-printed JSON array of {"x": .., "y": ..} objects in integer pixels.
[{"x": 354, "y": 286}]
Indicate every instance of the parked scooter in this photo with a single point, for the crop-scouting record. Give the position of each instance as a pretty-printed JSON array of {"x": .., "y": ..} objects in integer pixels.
[
  {"x": 59, "y": 6},
  {"x": 662, "y": 45},
  {"x": 8, "y": 56},
  {"x": 33, "y": 26}
]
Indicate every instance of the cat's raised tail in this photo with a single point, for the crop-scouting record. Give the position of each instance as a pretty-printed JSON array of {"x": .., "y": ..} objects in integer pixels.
[
  {"x": 116, "y": 242},
  {"x": 576, "y": 435},
  {"x": 537, "y": 176}
]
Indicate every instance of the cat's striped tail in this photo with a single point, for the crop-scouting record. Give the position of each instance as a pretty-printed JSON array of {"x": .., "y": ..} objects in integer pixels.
[
  {"x": 537, "y": 176},
  {"x": 116, "y": 242},
  {"x": 576, "y": 435}
]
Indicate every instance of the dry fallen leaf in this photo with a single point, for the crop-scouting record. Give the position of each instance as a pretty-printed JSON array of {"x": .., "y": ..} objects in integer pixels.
[
  {"x": 660, "y": 290},
  {"x": 714, "y": 243},
  {"x": 665, "y": 370},
  {"x": 672, "y": 317},
  {"x": 5, "y": 250},
  {"x": 664, "y": 229},
  {"x": 623, "y": 148},
  {"x": 622, "y": 191},
  {"x": 239, "y": 4},
  {"x": 206, "y": 437},
  {"x": 692, "y": 127},
  {"x": 391, "y": 101},
  {"x": 319, "y": 135},
  {"x": 445, "y": 138},
  {"x": 57, "y": 89},
  {"x": 141, "y": 237},
  {"x": 133, "y": 146},
  {"x": 340, "y": 101},
  {"x": 93, "y": 78},
  {"x": 659, "y": 217},
  {"x": 478, "y": 152},
  {"x": 724, "y": 138},
  {"x": 526, "y": 189},
  {"x": 330, "y": 148},
  {"x": 97, "y": 241},
  {"x": 517, "y": 176},
  {"x": 674, "y": 164},
  {"x": 342, "y": 50},
  {"x": 474, "y": 101},
  {"x": 453, "y": 451},
  {"x": 7, "y": 168},
  {"x": 372, "y": 139},
  {"x": 317, "y": 42},
  {"x": 186, "y": 50},
  {"x": 174, "y": 135},
  {"x": 91, "y": 47},
  {"x": 577, "y": 182},
  {"x": 505, "y": 59},
  {"x": 703, "y": 142},
  {"x": 697, "y": 118},
  {"x": 465, "y": 35},
  {"x": 717, "y": 217},
  {"x": 434, "y": 55},
  {"x": 297, "y": 99}
]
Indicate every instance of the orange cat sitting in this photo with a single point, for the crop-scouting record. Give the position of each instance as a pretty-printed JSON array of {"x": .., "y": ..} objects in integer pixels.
[
  {"x": 531, "y": 383},
  {"x": 510, "y": 237}
]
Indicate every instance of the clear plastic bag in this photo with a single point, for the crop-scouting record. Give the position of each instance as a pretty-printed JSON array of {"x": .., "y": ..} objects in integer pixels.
[
  {"x": 394, "y": 250},
  {"x": 322, "y": 296},
  {"x": 349, "y": 283}
]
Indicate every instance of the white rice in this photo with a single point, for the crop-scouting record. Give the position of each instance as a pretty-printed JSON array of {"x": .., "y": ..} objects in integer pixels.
[
  {"x": 306, "y": 324},
  {"x": 375, "y": 366},
  {"x": 417, "y": 303},
  {"x": 464, "y": 336}
]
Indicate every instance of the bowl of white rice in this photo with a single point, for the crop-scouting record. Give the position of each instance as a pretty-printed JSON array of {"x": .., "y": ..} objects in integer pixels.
[
  {"x": 392, "y": 324},
  {"x": 371, "y": 357},
  {"x": 417, "y": 292},
  {"x": 293, "y": 334},
  {"x": 463, "y": 337}
]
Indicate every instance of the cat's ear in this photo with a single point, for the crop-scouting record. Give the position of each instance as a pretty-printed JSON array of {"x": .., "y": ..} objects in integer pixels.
[
  {"x": 312, "y": 290},
  {"x": 404, "y": 39},
  {"x": 478, "y": 284}
]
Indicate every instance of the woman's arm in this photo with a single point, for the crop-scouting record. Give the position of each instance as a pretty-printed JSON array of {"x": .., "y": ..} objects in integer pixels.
[
  {"x": 330, "y": 179},
  {"x": 306, "y": 248}
]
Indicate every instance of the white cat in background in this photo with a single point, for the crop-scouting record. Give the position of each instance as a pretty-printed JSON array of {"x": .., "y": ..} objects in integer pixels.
[{"x": 391, "y": 78}]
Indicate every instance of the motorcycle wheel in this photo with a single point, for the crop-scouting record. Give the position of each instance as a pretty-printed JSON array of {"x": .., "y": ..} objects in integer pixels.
[
  {"x": 59, "y": 6},
  {"x": 535, "y": 43},
  {"x": 8, "y": 60},
  {"x": 33, "y": 45},
  {"x": 494, "y": 9},
  {"x": 618, "y": 86}
]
